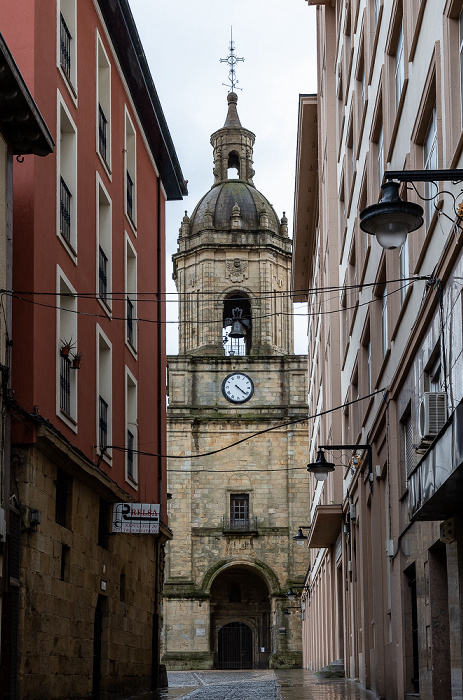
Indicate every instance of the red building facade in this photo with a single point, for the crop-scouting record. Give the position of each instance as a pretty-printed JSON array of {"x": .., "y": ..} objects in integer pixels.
[{"x": 88, "y": 360}]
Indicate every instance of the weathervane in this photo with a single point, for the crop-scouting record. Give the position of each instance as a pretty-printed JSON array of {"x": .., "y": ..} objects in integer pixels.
[{"x": 232, "y": 60}]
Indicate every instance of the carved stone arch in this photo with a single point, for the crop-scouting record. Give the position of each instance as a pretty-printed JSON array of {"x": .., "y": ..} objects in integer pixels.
[{"x": 259, "y": 567}]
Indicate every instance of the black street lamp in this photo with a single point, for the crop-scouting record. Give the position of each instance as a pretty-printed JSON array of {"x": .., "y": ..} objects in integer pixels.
[
  {"x": 300, "y": 538},
  {"x": 321, "y": 468},
  {"x": 391, "y": 219}
]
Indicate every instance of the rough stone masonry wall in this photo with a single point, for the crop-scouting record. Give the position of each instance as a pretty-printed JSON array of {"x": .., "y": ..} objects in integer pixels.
[{"x": 57, "y": 616}]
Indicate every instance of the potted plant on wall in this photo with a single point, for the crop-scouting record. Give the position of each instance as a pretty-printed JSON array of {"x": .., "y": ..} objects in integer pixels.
[
  {"x": 66, "y": 347},
  {"x": 77, "y": 359}
]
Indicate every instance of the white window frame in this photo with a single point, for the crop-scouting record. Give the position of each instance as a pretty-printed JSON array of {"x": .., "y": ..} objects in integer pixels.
[
  {"x": 104, "y": 388},
  {"x": 68, "y": 9},
  {"x": 66, "y": 164},
  {"x": 399, "y": 68},
  {"x": 131, "y": 285},
  {"x": 131, "y": 423},
  {"x": 66, "y": 330},
  {"x": 404, "y": 267},
  {"x": 104, "y": 241},
  {"x": 384, "y": 324},
  {"x": 130, "y": 168},
  {"x": 103, "y": 99},
  {"x": 430, "y": 162}
]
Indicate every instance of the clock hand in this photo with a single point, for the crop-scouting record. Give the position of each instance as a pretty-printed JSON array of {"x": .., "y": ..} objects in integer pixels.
[{"x": 238, "y": 387}]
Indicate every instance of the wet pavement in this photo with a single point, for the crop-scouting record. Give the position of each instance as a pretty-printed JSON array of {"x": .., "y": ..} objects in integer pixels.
[{"x": 284, "y": 684}]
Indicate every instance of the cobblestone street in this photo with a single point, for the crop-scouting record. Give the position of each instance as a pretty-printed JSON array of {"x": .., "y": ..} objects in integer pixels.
[{"x": 259, "y": 685}]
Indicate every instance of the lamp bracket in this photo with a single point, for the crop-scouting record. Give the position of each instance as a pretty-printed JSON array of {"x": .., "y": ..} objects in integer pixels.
[{"x": 455, "y": 175}]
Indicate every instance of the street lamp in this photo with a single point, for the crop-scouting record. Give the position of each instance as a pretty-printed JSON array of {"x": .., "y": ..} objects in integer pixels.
[
  {"x": 391, "y": 219},
  {"x": 300, "y": 538},
  {"x": 321, "y": 468}
]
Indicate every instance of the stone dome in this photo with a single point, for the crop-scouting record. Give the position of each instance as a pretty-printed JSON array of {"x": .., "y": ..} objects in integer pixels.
[{"x": 255, "y": 211}]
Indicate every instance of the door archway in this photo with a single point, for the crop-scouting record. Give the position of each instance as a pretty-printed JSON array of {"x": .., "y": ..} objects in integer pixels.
[
  {"x": 235, "y": 646},
  {"x": 240, "y": 618}
]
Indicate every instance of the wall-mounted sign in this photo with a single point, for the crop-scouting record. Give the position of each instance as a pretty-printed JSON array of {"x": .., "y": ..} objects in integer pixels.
[{"x": 136, "y": 518}]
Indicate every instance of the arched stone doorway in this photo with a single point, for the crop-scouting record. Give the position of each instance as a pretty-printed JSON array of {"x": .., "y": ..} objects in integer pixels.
[{"x": 240, "y": 619}]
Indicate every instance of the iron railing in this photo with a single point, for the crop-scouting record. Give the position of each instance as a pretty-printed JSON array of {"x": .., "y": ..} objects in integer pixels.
[
  {"x": 102, "y": 133},
  {"x": 65, "y": 47},
  {"x": 103, "y": 423},
  {"x": 65, "y": 210},
  {"x": 65, "y": 385},
  {"x": 102, "y": 274},
  {"x": 129, "y": 321},
  {"x": 130, "y": 454},
  {"x": 241, "y": 525}
]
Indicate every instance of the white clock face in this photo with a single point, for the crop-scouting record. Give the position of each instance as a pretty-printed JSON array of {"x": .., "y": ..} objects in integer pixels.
[{"x": 237, "y": 387}]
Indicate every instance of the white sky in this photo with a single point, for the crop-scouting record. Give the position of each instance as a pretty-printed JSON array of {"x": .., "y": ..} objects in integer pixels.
[{"x": 183, "y": 42}]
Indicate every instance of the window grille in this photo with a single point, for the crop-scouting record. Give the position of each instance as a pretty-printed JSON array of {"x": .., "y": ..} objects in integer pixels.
[
  {"x": 130, "y": 455},
  {"x": 102, "y": 274},
  {"x": 102, "y": 132},
  {"x": 129, "y": 321},
  {"x": 65, "y": 47},
  {"x": 65, "y": 385},
  {"x": 65, "y": 210},
  {"x": 103, "y": 436}
]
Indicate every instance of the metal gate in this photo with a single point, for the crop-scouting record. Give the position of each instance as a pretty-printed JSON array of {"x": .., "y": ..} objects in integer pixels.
[{"x": 235, "y": 646}]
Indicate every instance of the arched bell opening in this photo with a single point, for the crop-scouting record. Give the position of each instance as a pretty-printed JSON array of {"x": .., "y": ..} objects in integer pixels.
[
  {"x": 237, "y": 325},
  {"x": 240, "y": 619},
  {"x": 233, "y": 166}
]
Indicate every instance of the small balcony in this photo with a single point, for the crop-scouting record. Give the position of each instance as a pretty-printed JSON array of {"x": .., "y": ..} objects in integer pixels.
[
  {"x": 65, "y": 210},
  {"x": 239, "y": 526},
  {"x": 129, "y": 197},
  {"x": 130, "y": 334},
  {"x": 102, "y": 134},
  {"x": 65, "y": 47}
]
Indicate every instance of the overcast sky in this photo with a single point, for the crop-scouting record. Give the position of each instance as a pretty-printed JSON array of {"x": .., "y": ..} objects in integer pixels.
[{"x": 184, "y": 42}]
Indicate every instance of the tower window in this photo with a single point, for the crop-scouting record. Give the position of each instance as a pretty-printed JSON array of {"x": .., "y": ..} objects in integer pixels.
[
  {"x": 237, "y": 326},
  {"x": 233, "y": 166}
]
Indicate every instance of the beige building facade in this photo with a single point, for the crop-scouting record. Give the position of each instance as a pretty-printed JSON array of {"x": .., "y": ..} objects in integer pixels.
[
  {"x": 384, "y": 589},
  {"x": 237, "y": 404}
]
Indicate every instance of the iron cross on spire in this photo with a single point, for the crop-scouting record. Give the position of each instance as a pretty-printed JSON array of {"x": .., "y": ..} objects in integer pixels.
[{"x": 232, "y": 60}]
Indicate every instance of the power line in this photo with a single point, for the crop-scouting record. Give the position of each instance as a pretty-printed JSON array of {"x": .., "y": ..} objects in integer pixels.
[{"x": 238, "y": 442}]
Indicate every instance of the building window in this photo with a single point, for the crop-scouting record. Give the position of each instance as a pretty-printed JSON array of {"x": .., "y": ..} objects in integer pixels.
[
  {"x": 104, "y": 103},
  {"x": 64, "y": 564},
  {"x": 104, "y": 237},
  {"x": 130, "y": 171},
  {"x": 384, "y": 328},
  {"x": 67, "y": 179},
  {"x": 131, "y": 294},
  {"x": 63, "y": 496},
  {"x": 103, "y": 524},
  {"x": 376, "y": 7},
  {"x": 237, "y": 326},
  {"x": 380, "y": 156},
  {"x": 104, "y": 396},
  {"x": 399, "y": 72},
  {"x": 67, "y": 44},
  {"x": 67, "y": 334},
  {"x": 239, "y": 511},
  {"x": 404, "y": 266},
  {"x": 430, "y": 163},
  {"x": 408, "y": 451},
  {"x": 131, "y": 427},
  {"x": 103, "y": 423}
]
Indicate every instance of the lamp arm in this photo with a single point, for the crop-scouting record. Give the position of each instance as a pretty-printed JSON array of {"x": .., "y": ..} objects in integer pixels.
[{"x": 455, "y": 175}]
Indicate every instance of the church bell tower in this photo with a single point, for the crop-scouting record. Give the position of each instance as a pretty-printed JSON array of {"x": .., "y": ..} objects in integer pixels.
[{"x": 236, "y": 428}]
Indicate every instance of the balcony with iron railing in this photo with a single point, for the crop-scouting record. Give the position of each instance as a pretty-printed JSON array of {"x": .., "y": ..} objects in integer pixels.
[
  {"x": 102, "y": 134},
  {"x": 130, "y": 455},
  {"x": 65, "y": 47},
  {"x": 130, "y": 333},
  {"x": 103, "y": 275},
  {"x": 103, "y": 423},
  {"x": 65, "y": 385},
  {"x": 65, "y": 210},
  {"x": 237, "y": 526}
]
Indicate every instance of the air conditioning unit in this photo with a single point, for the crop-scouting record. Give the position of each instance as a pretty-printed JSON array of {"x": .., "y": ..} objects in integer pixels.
[{"x": 433, "y": 414}]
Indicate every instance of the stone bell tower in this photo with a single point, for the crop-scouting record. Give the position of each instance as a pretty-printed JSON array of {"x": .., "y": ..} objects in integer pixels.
[{"x": 236, "y": 429}]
